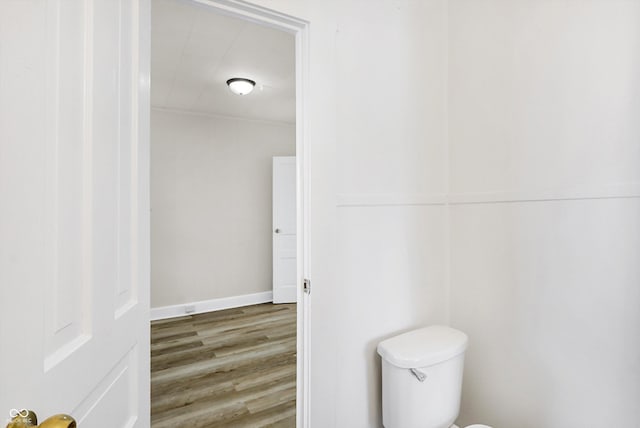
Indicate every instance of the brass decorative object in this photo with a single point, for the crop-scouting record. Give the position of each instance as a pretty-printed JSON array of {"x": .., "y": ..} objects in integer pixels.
[
  {"x": 22, "y": 419},
  {"x": 28, "y": 419}
]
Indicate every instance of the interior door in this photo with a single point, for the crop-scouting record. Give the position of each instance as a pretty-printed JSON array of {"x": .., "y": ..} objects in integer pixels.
[
  {"x": 74, "y": 211},
  {"x": 284, "y": 229}
]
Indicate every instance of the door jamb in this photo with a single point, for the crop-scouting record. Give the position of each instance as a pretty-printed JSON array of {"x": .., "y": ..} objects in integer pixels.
[{"x": 300, "y": 29}]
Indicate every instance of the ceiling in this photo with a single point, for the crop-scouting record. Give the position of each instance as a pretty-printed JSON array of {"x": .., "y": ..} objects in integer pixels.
[{"x": 195, "y": 50}]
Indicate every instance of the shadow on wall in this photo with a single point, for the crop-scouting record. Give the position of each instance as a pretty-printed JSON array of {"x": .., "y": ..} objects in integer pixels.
[{"x": 374, "y": 380}]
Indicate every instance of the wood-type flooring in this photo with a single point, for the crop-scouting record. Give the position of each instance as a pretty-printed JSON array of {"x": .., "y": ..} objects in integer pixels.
[{"x": 230, "y": 368}]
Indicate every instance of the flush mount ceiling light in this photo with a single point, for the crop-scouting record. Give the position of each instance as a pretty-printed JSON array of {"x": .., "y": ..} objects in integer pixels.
[{"x": 241, "y": 86}]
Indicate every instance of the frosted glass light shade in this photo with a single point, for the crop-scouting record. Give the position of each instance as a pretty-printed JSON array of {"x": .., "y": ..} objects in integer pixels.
[{"x": 241, "y": 86}]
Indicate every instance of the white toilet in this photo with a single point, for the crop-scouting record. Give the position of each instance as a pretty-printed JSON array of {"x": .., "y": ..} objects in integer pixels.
[{"x": 422, "y": 378}]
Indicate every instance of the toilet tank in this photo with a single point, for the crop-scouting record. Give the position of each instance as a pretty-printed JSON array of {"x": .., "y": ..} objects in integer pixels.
[{"x": 422, "y": 377}]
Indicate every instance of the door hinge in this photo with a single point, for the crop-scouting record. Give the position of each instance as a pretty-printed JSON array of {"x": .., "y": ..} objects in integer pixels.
[{"x": 306, "y": 286}]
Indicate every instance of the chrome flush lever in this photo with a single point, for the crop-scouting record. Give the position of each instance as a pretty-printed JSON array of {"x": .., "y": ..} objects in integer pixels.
[{"x": 418, "y": 374}]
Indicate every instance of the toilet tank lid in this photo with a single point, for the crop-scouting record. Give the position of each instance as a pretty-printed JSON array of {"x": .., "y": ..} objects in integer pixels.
[{"x": 423, "y": 347}]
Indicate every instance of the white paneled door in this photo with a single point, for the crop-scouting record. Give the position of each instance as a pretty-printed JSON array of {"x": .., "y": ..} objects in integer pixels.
[
  {"x": 74, "y": 209},
  {"x": 284, "y": 229}
]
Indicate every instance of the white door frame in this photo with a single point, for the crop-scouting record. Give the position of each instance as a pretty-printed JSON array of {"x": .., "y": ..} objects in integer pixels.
[{"x": 300, "y": 29}]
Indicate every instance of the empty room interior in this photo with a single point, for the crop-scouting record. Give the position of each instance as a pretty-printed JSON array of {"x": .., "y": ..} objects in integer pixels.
[
  {"x": 223, "y": 262},
  {"x": 458, "y": 179}
]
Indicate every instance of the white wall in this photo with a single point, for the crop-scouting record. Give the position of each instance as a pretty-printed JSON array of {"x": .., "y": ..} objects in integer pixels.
[
  {"x": 211, "y": 205},
  {"x": 391, "y": 169},
  {"x": 544, "y": 101},
  {"x": 377, "y": 163}
]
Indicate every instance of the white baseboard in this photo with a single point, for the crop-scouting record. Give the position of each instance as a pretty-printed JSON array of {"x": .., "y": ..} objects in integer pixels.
[{"x": 183, "y": 309}]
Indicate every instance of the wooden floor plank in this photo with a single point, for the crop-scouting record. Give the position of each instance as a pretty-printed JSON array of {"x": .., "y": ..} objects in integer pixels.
[
  {"x": 252, "y": 368},
  {"x": 194, "y": 349},
  {"x": 211, "y": 332},
  {"x": 266, "y": 418},
  {"x": 232, "y": 368}
]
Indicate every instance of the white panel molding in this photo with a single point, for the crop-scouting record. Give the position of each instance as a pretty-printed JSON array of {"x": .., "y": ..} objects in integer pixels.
[
  {"x": 614, "y": 191},
  {"x": 66, "y": 350},
  {"x": 128, "y": 164},
  {"x": 202, "y": 306},
  {"x": 68, "y": 170},
  {"x": 625, "y": 190},
  {"x": 388, "y": 199},
  {"x": 119, "y": 385}
]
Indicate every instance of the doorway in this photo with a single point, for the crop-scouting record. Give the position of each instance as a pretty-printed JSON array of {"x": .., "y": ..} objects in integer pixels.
[{"x": 194, "y": 96}]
